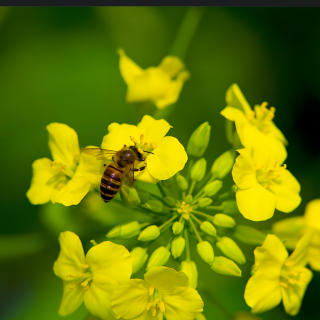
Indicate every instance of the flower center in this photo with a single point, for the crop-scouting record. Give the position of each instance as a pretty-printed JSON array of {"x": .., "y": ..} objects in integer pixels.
[
  {"x": 267, "y": 176},
  {"x": 142, "y": 145},
  {"x": 289, "y": 276},
  {"x": 155, "y": 304},
  {"x": 83, "y": 279},
  {"x": 261, "y": 117},
  {"x": 184, "y": 210}
]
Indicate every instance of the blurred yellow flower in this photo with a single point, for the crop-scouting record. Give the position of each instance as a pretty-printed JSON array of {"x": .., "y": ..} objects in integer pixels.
[
  {"x": 67, "y": 179},
  {"x": 278, "y": 277},
  {"x": 255, "y": 128},
  {"x": 93, "y": 278},
  {"x": 168, "y": 154},
  {"x": 163, "y": 292},
  {"x": 292, "y": 229},
  {"x": 161, "y": 84},
  {"x": 263, "y": 185}
]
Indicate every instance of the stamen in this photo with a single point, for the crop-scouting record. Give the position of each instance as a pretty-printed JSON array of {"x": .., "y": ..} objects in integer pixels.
[
  {"x": 149, "y": 305},
  {"x": 162, "y": 307},
  {"x": 282, "y": 284},
  {"x": 70, "y": 276},
  {"x": 151, "y": 290},
  {"x": 134, "y": 140},
  {"x": 84, "y": 283},
  {"x": 283, "y": 167},
  {"x": 82, "y": 275},
  {"x": 275, "y": 176},
  {"x": 142, "y": 139},
  {"x": 155, "y": 302},
  {"x": 152, "y": 145},
  {"x": 145, "y": 146},
  {"x": 153, "y": 311},
  {"x": 85, "y": 288},
  {"x": 264, "y": 106},
  {"x": 267, "y": 185},
  {"x": 84, "y": 266},
  {"x": 73, "y": 285},
  {"x": 140, "y": 150}
]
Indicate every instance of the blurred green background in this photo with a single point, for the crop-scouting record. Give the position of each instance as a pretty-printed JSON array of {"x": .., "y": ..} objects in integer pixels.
[{"x": 61, "y": 65}]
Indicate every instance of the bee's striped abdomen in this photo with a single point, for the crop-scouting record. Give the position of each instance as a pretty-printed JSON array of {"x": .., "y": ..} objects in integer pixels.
[{"x": 110, "y": 182}]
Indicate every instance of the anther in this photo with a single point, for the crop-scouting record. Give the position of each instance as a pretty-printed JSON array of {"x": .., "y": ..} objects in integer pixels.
[
  {"x": 151, "y": 291},
  {"x": 283, "y": 284},
  {"x": 162, "y": 307},
  {"x": 140, "y": 150},
  {"x": 153, "y": 311},
  {"x": 152, "y": 145},
  {"x": 84, "y": 266},
  {"x": 84, "y": 283},
  {"x": 142, "y": 139},
  {"x": 73, "y": 285},
  {"x": 85, "y": 288},
  {"x": 133, "y": 139}
]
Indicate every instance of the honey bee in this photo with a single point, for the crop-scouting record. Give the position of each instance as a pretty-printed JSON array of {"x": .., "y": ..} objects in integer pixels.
[{"x": 120, "y": 170}]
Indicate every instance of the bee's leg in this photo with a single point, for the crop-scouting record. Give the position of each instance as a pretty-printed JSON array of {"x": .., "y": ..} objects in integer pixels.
[{"x": 140, "y": 169}]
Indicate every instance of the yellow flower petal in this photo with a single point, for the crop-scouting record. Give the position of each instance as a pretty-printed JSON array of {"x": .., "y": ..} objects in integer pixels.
[
  {"x": 71, "y": 299},
  {"x": 256, "y": 203},
  {"x": 312, "y": 214},
  {"x": 43, "y": 181},
  {"x": 185, "y": 305},
  {"x": 97, "y": 298},
  {"x": 153, "y": 130},
  {"x": 129, "y": 69},
  {"x": 145, "y": 176},
  {"x": 236, "y": 99},
  {"x": 73, "y": 192},
  {"x": 314, "y": 252},
  {"x": 71, "y": 256},
  {"x": 243, "y": 172},
  {"x": 169, "y": 157},
  {"x": 119, "y": 135},
  {"x": 64, "y": 144},
  {"x": 286, "y": 192},
  {"x": 147, "y": 315},
  {"x": 171, "y": 65},
  {"x": 293, "y": 295},
  {"x": 130, "y": 299},
  {"x": 110, "y": 260},
  {"x": 236, "y": 116},
  {"x": 167, "y": 280}
]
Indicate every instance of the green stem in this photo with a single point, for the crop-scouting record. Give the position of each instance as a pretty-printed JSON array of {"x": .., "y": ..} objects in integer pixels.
[
  {"x": 195, "y": 229},
  {"x": 161, "y": 189},
  {"x": 229, "y": 130},
  {"x": 202, "y": 214},
  {"x": 225, "y": 195},
  {"x": 195, "y": 218},
  {"x": 193, "y": 183},
  {"x": 167, "y": 222},
  {"x": 187, "y": 245},
  {"x": 213, "y": 177},
  {"x": 215, "y": 208},
  {"x": 190, "y": 164}
]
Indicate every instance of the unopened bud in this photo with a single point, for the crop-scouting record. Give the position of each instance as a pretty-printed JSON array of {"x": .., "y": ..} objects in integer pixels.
[
  {"x": 170, "y": 201},
  {"x": 167, "y": 183},
  {"x": 138, "y": 257},
  {"x": 149, "y": 233},
  {"x": 159, "y": 257},
  {"x": 225, "y": 266},
  {"x": 199, "y": 140},
  {"x": 213, "y": 187},
  {"x": 154, "y": 205},
  {"x": 230, "y": 207},
  {"x": 143, "y": 195},
  {"x": 177, "y": 247},
  {"x": 188, "y": 198},
  {"x": 182, "y": 183},
  {"x": 124, "y": 230},
  {"x": 208, "y": 228},
  {"x": 204, "y": 202},
  {"x": 223, "y": 164},
  {"x": 177, "y": 227},
  {"x": 205, "y": 251},
  {"x": 230, "y": 249},
  {"x": 198, "y": 170},
  {"x": 129, "y": 196},
  {"x": 222, "y": 220},
  {"x": 249, "y": 235},
  {"x": 190, "y": 269}
]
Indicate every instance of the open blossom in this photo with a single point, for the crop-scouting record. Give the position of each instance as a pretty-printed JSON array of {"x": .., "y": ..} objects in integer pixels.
[
  {"x": 161, "y": 84},
  {"x": 166, "y": 155},
  {"x": 163, "y": 292},
  {"x": 255, "y": 128},
  {"x": 278, "y": 277},
  {"x": 91, "y": 278},
  {"x": 70, "y": 176},
  {"x": 263, "y": 185},
  {"x": 292, "y": 229}
]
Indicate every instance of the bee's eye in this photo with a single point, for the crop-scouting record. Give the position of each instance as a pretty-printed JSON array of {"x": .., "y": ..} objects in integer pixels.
[{"x": 124, "y": 159}]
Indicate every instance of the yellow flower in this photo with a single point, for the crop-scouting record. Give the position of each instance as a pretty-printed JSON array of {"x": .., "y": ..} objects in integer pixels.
[
  {"x": 163, "y": 292},
  {"x": 292, "y": 229},
  {"x": 255, "y": 128},
  {"x": 168, "y": 155},
  {"x": 161, "y": 84},
  {"x": 263, "y": 185},
  {"x": 278, "y": 277},
  {"x": 93, "y": 278},
  {"x": 67, "y": 179}
]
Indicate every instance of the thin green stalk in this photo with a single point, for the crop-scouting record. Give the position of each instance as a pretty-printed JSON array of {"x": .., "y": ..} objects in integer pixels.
[
  {"x": 190, "y": 164},
  {"x": 202, "y": 214},
  {"x": 195, "y": 229},
  {"x": 193, "y": 183},
  {"x": 167, "y": 222},
  {"x": 195, "y": 218},
  {"x": 229, "y": 130},
  {"x": 187, "y": 245},
  {"x": 161, "y": 189},
  {"x": 225, "y": 195},
  {"x": 213, "y": 177},
  {"x": 215, "y": 208}
]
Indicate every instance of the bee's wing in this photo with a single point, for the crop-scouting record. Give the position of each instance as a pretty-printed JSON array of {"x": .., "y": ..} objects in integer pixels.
[
  {"x": 100, "y": 154},
  {"x": 128, "y": 174}
]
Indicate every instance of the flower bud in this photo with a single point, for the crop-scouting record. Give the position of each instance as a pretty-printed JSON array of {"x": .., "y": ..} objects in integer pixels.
[
  {"x": 230, "y": 249},
  {"x": 198, "y": 170},
  {"x": 177, "y": 227},
  {"x": 129, "y": 196},
  {"x": 204, "y": 202},
  {"x": 124, "y": 230},
  {"x": 149, "y": 233},
  {"x": 182, "y": 183},
  {"x": 223, "y": 164},
  {"x": 222, "y": 220},
  {"x": 225, "y": 266},
  {"x": 199, "y": 140},
  {"x": 167, "y": 183},
  {"x": 213, "y": 187},
  {"x": 230, "y": 207},
  {"x": 205, "y": 251},
  {"x": 177, "y": 247},
  {"x": 139, "y": 256},
  {"x": 208, "y": 228},
  {"x": 190, "y": 269},
  {"x": 188, "y": 198},
  {"x": 143, "y": 195},
  {"x": 170, "y": 201},
  {"x": 159, "y": 257},
  {"x": 154, "y": 205},
  {"x": 249, "y": 235}
]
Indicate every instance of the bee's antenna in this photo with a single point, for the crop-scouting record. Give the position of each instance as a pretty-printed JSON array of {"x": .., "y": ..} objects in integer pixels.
[{"x": 148, "y": 151}]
